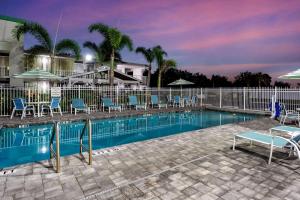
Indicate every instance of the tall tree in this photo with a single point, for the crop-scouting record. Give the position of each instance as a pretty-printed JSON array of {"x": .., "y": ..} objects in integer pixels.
[
  {"x": 114, "y": 40},
  {"x": 149, "y": 56},
  {"x": 45, "y": 43},
  {"x": 164, "y": 67},
  {"x": 102, "y": 51},
  {"x": 159, "y": 54}
]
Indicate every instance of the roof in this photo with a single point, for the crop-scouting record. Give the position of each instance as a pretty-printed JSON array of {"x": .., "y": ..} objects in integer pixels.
[
  {"x": 130, "y": 63},
  {"x": 12, "y": 19},
  {"x": 105, "y": 69}
]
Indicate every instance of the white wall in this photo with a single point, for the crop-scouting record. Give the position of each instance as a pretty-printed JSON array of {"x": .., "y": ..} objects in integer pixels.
[
  {"x": 137, "y": 70},
  {"x": 10, "y": 45}
]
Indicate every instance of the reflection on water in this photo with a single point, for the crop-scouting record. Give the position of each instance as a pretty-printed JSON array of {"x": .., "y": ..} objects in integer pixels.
[{"x": 31, "y": 143}]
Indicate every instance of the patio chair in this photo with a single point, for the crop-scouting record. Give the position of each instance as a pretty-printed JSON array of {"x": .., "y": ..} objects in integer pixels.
[
  {"x": 155, "y": 102},
  {"x": 79, "y": 105},
  {"x": 20, "y": 105},
  {"x": 170, "y": 100},
  {"x": 186, "y": 101},
  {"x": 54, "y": 104},
  {"x": 133, "y": 102},
  {"x": 177, "y": 101},
  {"x": 194, "y": 101},
  {"x": 288, "y": 114},
  {"x": 107, "y": 103},
  {"x": 270, "y": 140}
]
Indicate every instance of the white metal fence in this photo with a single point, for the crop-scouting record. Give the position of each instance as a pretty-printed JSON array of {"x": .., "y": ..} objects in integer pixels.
[{"x": 243, "y": 98}]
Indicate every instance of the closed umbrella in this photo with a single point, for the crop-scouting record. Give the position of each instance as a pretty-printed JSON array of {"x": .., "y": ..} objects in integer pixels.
[{"x": 180, "y": 82}]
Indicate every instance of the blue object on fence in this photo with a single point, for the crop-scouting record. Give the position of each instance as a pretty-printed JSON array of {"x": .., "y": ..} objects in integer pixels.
[{"x": 277, "y": 109}]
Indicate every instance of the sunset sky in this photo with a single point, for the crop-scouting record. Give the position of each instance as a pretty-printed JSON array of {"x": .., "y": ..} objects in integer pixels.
[{"x": 212, "y": 36}]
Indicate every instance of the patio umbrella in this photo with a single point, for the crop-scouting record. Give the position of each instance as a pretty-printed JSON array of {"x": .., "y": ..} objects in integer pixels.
[
  {"x": 292, "y": 75},
  {"x": 180, "y": 82},
  {"x": 38, "y": 75}
]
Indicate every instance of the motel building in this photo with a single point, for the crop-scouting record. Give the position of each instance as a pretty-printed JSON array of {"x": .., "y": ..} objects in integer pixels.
[{"x": 15, "y": 60}]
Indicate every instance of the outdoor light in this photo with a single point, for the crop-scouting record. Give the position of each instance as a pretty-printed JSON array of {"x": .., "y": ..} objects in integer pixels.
[
  {"x": 88, "y": 58},
  {"x": 44, "y": 62}
]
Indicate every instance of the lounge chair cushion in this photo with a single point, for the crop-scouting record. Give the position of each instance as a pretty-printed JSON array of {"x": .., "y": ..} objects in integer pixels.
[{"x": 263, "y": 138}]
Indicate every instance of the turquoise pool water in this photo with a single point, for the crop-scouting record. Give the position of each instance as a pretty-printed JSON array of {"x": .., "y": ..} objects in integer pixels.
[{"x": 31, "y": 143}]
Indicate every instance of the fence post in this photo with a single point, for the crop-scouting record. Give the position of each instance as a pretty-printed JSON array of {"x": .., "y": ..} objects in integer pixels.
[
  {"x": 90, "y": 140},
  {"x": 57, "y": 147},
  {"x": 275, "y": 95},
  {"x": 78, "y": 91},
  {"x": 244, "y": 97},
  {"x": 201, "y": 97},
  {"x": 117, "y": 98},
  {"x": 220, "y": 97}
]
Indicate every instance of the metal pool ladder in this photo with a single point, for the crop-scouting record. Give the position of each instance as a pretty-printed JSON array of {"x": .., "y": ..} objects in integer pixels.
[
  {"x": 55, "y": 153},
  {"x": 88, "y": 127}
]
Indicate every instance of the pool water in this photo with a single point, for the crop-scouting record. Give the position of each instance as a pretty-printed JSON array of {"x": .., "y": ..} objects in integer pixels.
[{"x": 31, "y": 143}]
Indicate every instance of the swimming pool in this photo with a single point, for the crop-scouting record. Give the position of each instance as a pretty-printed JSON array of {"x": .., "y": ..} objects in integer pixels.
[{"x": 31, "y": 143}]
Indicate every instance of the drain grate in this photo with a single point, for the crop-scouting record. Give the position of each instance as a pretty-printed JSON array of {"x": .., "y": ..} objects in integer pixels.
[{"x": 107, "y": 151}]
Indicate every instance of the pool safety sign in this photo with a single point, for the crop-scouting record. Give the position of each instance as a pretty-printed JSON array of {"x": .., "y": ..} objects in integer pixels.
[{"x": 55, "y": 92}]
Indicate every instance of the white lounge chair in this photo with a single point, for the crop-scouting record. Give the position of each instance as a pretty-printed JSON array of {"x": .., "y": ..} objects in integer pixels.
[{"x": 271, "y": 140}]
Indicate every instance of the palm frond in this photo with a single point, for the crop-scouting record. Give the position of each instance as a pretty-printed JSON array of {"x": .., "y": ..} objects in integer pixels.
[
  {"x": 96, "y": 49},
  {"x": 68, "y": 45},
  {"x": 147, "y": 53},
  {"x": 126, "y": 41},
  {"x": 37, "y": 31},
  {"x": 159, "y": 55},
  {"x": 168, "y": 64},
  {"x": 103, "y": 29},
  {"x": 37, "y": 49},
  {"x": 115, "y": 38}
]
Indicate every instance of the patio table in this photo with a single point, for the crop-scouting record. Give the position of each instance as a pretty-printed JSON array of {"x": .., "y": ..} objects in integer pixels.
[{"x": 38, "y": 104}]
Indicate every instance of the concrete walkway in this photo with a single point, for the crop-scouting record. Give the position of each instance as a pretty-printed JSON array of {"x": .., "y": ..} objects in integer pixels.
[{"x": 193, "y": 165}]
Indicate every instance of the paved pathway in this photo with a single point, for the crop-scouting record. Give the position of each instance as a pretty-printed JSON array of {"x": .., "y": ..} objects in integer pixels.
[{"x": 194, "y": 165}]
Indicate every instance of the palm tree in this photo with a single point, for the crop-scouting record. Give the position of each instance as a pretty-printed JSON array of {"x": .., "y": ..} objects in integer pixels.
[
  {"x": 162, "y": 64},
  {"x": 45, "y": 44},
  {"x": 114, "y": 41},
  {"x": 102, "y": 51},
  {"x": 164, "y": 67},
  {"x": 149, "y": 56}
]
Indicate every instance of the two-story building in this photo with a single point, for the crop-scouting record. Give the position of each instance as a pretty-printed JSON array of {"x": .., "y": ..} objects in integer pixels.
[{"x": 14, "y": 60}]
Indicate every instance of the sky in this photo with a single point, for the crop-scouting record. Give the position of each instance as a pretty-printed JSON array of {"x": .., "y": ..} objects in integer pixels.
[{"x": 222, "y": 37}]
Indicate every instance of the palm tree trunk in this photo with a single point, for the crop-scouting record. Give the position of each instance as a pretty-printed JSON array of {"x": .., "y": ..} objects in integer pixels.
[
  {"x": 111, "y": 75},
  {"x": 149, "y": 76},
  {"x": 159, "y": 79}
]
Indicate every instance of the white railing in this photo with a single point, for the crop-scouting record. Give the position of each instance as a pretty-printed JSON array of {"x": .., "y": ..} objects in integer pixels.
[{"x": 242, "y": 98}]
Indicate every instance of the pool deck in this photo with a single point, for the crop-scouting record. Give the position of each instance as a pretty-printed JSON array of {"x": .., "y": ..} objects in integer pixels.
[
  {"x": 16, "y": 121},
  {"x": 194, "y": 165}
]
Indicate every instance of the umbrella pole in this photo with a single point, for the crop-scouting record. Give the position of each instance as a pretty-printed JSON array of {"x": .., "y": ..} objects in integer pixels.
[{"x": 181, "y": 91}]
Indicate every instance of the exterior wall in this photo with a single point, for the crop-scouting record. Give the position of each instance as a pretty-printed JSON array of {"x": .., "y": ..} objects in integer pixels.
[
  {"x": 14, "y": 48},
  {"x": 137, "y": 70},
  {"x": 63, "y": 66}
]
